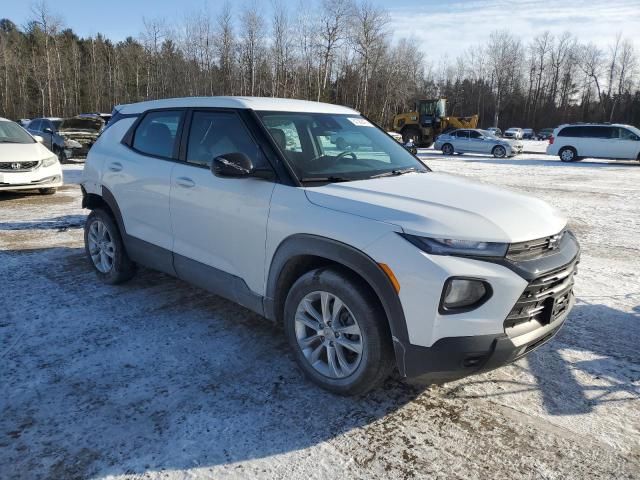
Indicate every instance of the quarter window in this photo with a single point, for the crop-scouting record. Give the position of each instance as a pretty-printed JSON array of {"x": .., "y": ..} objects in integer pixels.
[
  {"x": 625, "y": 134},
  {"x": 156, "y": 134},
  {"x": 215, "y": 133},
  {"x": 571, "y": 132}
]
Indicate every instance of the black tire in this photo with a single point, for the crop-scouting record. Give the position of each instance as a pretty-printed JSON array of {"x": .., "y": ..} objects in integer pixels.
[
  {"x": 568, "y": 155},
  {"x": 376, "y": 362},
  {"x": 499, "y": 151},
  {"x": 47, "y": 191},
  {"x": 447, "y": 149},
  {"x": 122, "y": 268}
]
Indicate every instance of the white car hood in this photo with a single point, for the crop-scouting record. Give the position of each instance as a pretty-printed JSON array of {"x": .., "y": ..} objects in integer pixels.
[
  {"x": 443, "y": 206},
  {"x": 23, "y": 152}
]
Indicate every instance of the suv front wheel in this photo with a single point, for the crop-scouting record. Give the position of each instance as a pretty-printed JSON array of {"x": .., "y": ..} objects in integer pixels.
[
  {"x": 105, "y": 250},
  {"x": 338, "y": 331}
]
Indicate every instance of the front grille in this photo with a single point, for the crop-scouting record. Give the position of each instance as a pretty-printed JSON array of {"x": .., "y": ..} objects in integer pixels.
[
  {"x": 537, "y": 248},
  {"x": 22, "y": 166},
  {"x": 544, "y": 299}
]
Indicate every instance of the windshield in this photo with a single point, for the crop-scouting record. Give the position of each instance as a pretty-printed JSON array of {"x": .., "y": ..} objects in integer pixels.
[
  {"x": 330, "y": 147},
  {"x": 11, "y": 132}
]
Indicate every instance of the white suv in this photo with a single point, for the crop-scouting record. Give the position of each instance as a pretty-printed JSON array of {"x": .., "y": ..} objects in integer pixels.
[
  {"x": 611, "y": 141},
  {"x": 368, "y": 259}
]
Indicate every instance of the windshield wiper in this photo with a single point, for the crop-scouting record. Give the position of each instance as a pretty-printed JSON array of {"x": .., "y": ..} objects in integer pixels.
[
  {"x": 399, "y": 171},
  {"x": 10, "y": 141},
  {"x": 332, "y": 179}
]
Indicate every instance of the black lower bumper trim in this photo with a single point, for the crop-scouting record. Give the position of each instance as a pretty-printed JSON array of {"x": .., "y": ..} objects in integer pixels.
[{"x": 452, "y": 358}]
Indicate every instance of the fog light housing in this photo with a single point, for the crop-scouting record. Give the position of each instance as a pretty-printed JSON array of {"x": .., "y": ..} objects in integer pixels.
[{"x": 463, "y": 294}]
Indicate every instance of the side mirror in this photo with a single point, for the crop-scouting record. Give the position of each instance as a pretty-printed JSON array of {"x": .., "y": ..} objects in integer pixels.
[
  {"x": 38, "y": 138},
  {"x": 47, "y": 130},
  {"x": 232, "y": 165}
]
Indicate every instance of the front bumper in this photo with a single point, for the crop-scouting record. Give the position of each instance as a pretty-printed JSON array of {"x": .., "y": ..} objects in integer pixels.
[
  {"x": 41, "y": 177},
  {"x": 453, "y": 358}
]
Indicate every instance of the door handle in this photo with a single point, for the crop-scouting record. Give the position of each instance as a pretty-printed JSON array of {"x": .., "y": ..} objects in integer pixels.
[
  {"x": 115, "y": 166},
  {"x": 185, "y": 182}
]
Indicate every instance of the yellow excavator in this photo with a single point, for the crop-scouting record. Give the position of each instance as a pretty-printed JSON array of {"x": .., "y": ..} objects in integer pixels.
[{"x": 428, "y": 120}]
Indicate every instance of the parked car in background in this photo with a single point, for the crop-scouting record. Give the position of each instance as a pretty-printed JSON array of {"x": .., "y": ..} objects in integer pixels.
[
  {"x": 25, "y": 163},
  {"x": 595, "y": 140},
  {"x": 80, "y": 133},
  {"x": 23, "y": 122},
  {"x": 410, "y": 146},
  {"x": 47, "y": 128},
  {"x": 529, "y": 134},
  {"x": 476, "y": 141},
  {"x": 495, "y": 130},
  {"x": 515, "y": 133},
  {"x": 545, "y": 133},
  {"x": 368, "y": 260}
]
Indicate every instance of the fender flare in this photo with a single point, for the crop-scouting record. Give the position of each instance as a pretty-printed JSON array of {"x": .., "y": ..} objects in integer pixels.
[{"x": 313, "y": 245}]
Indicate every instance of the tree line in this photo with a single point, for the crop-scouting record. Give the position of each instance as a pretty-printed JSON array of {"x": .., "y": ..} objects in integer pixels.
[{"x": 337, "y": 51}]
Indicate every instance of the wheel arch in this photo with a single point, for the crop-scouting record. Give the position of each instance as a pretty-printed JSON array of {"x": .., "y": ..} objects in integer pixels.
[{"x": 301, "y": 253}]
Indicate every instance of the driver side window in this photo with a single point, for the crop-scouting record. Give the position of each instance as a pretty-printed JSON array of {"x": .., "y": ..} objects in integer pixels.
[
  {"x": 215, "y": 133},
  {"x": 474, "y": 135}
]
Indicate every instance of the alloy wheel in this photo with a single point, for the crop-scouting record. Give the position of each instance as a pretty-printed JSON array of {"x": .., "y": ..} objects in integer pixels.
[
  {"x": 328, "y": 334},
  {"x": 101, "y": 246}
]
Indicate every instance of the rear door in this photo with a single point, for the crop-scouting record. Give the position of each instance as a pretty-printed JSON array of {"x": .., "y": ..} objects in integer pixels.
[
  {"x": 219, "y": 222},
  {"x": 140, "y": 179}
]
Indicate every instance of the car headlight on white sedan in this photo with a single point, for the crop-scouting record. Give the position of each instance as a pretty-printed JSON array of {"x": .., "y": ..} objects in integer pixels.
[{"x": 47, "y": 162}]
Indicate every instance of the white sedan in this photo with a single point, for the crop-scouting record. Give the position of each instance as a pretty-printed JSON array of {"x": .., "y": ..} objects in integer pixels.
[
  {"x": 476, "y": 141},
  {"x": 26, "y": 164}
]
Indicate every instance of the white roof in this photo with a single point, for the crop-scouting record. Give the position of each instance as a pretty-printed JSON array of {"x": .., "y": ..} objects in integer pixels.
[
  {"x": 253, "y": 103},
  {"x": 2, "y": 119}
]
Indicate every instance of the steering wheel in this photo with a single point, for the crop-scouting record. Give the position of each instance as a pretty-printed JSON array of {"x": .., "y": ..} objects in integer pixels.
[{"x": 344, "y": 154}]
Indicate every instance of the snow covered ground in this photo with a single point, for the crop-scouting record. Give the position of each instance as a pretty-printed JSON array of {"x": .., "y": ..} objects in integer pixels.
[{"x": 157, "y": 379}]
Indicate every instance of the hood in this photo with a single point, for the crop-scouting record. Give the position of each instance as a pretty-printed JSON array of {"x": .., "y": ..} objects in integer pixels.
[
  {"x": 443, "y": 206},
  {"x": 91, "y": 125},
  {"x": 23, "y": 152}
]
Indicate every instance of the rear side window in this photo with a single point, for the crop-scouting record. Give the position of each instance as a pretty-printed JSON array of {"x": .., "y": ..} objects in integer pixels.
[
  {"x": 571, "y": 132},
  {"x": 215, "y": 133},
  {"x": 156, "y": 134}
]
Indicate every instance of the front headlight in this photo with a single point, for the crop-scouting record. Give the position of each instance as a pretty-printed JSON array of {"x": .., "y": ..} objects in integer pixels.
[
  {"x": 447, "y": 246},
  {"x": 47, "y": 162}
]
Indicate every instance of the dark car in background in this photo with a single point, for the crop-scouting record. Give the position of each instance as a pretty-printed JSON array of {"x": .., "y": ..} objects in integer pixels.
[
  {"x": 545, "y": 133},
  {"x": 47, "y": 128},
  {"x": 80, "y": 133},
  {"x": 529, "y": 134}
]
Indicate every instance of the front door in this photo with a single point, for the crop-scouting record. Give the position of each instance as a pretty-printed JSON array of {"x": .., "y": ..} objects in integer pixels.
[{"x": 219, "y": 222}]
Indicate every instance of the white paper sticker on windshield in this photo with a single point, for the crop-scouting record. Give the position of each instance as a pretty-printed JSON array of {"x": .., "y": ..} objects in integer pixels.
[{"x": 360, "y": 122}]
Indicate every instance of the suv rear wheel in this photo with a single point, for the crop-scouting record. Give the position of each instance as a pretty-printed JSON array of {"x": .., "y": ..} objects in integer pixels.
[
  {"x": 105, "y": 250},
  {"x": 338, "y": 332},
  {"x": 568, "y": 154}
]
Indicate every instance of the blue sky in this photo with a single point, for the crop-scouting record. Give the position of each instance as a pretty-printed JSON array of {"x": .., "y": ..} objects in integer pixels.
[{"x": 443, "y": 27}]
